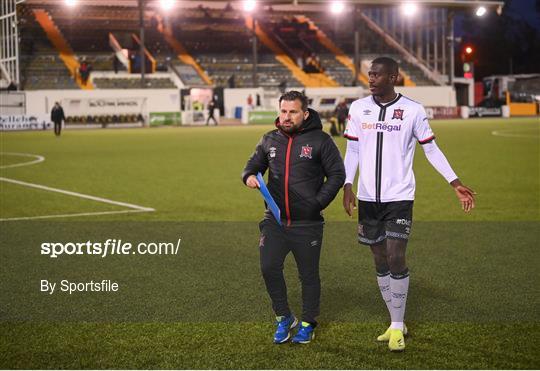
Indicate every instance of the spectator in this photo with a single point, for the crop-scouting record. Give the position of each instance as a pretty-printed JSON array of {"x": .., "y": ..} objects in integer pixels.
[
  {"x": 84, "y": 70},
  {"x": 341, "y": 113},
  {"x": 333, "y": 128},
  {"x": 116, "y": 64},
  {"x": 211, "y": 107},
  {"x": 57, "y": 116},
  {"x": 282, "y": 86},
  {"x": 231, "y": 81}
]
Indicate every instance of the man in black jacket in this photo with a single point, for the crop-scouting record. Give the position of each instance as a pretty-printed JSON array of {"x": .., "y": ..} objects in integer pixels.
[
  {"x": 57, "y": 116},
  {"x": 305, "y": 174}
]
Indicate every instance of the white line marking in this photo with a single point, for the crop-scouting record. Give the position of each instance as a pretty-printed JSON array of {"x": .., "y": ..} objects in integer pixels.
[
  {"x": 76, "y": 194},
  {"x": 134, "y": 208},
  {"x": 512, "y": 133},
  {"x": 37, "y": 160},
  {"x": 72, "y": 215}
]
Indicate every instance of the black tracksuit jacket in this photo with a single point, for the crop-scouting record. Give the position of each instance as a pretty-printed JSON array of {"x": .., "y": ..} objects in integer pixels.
[
  {"x": 298, "y": 165},
  {"x": 57, "y": 114}
]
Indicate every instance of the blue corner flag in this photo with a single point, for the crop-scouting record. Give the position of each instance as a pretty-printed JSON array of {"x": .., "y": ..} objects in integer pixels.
[{"x": 269, "y": 199}]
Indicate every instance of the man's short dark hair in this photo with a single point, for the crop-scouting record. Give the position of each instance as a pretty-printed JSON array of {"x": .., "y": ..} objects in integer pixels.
[
  {"x": 295, "y": 95},
  {"x": 390, "y": 65}
]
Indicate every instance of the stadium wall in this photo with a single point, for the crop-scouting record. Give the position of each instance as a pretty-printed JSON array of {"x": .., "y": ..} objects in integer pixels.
[
  {"x": 430, "y": 96},
  {"x": 143, "y": 101},
  {"x": 233, "y": 98}
]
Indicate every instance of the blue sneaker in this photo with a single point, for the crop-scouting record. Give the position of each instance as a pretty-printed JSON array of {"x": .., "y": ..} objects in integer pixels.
[
  {"x": 284, "y": 326},
  {"x": 305, "y": 334}
]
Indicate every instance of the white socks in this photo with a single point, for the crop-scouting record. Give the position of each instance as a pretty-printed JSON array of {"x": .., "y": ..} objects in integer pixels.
[
  {"x": 394, "y": 289},
  {"x": 399, "y": 287},
  {"x": 383, "y": 279}
]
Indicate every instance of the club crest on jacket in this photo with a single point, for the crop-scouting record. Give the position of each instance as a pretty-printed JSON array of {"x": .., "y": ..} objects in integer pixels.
[{"x": 306, "y": 151}]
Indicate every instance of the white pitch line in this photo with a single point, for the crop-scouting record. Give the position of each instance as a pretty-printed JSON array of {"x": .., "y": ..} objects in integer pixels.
[
  {"x": 512, "y": 133},
  {"x": 72, "y": 215},
  {"x": 76, "y": 194},
  {"x": 37, "y": 160}
]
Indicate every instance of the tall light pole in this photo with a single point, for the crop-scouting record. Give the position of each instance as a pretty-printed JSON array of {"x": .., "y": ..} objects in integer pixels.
[
  {"x": 451, "y": 51},
  {"x": 356, "y": 47},
  {"x": 249, "y": 7},
  {"x": 141, "y": 39},
  {"x": 255, "y": 61}
]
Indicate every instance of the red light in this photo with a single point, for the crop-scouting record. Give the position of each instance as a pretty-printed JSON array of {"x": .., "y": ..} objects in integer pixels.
[{"x": 468, "y": 50}]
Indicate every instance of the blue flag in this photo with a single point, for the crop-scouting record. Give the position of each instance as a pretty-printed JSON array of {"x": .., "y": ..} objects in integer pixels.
[{"x": 269, "y": 199}]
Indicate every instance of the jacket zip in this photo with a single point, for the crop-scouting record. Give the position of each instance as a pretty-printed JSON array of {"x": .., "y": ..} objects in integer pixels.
[{"x": 287, "y": 160}]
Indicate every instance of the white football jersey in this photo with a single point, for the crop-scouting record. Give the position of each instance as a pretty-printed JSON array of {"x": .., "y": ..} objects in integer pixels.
[{"x": 387, "y": 135}]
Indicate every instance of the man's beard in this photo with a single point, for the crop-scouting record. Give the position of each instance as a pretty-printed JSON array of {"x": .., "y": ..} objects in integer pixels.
[{"x": 291, "y": 129}]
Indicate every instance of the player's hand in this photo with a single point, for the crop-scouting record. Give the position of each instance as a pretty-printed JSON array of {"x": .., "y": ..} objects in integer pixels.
[
  {"x": 349, "y": 199},
  {"x": 252, "y": 182},
  {"x": 465, "y": 195}
]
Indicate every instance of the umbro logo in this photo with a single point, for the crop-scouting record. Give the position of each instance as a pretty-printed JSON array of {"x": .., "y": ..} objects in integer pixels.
[{"x": 367, "y": 112}]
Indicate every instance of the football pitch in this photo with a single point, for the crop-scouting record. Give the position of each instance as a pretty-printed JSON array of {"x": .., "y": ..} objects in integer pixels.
[{"x": 473, "y": 300}]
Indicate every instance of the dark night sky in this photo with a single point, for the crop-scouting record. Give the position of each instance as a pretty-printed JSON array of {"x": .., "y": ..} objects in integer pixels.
[
  {"x": 510, "y": 42},
  {"x": 524, "y": 10}
]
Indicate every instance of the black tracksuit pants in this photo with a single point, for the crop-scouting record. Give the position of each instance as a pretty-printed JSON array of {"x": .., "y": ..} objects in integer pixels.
[
  {"x": 57, "y": 127},
  {"x": 305, "y": 242}
]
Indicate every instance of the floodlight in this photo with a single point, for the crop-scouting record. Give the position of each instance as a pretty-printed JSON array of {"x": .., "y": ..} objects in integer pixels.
[
  {"x": 337, "y": 7},
  {"x": 249, "y": 5},
  {"x": 409, "y": 9},
  {"x": 166, "y": 4},
  {"x": 71, "y": 3},
  {"x": 481, "y": 11}
]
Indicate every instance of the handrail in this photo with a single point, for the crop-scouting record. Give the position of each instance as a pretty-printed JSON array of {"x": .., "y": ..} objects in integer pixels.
[{"x": 435, "y": 77}]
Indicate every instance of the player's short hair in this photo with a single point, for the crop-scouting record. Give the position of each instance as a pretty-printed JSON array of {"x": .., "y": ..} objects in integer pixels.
[
  {"x": 295, "y": 95},
  {"x": 390, "y": 65}
]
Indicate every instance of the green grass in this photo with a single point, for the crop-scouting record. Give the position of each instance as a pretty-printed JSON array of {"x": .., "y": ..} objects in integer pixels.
[{"x": 473, "y": 300}]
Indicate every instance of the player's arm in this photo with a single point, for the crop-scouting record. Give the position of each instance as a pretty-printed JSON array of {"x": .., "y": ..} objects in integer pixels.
[
  {"x": 351, "y": 162},
  {"x": 258, "y": 162},
  {"x": 334, "y": 171},
  {"x": 437, "y": 159},
  {"x": 351, "y": 167}
]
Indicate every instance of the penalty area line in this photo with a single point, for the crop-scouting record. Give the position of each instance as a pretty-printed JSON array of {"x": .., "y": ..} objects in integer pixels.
[
  {"x": 72, "y": 215},
  {"x": 133, "y": 207},
  {"x": 515, "y": 133}
]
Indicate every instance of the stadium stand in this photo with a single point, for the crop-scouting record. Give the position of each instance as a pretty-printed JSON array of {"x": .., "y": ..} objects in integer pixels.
[
  {"x": 371, "y": 45},
  {"x": 207, "y": 35},
  {"x": 87, "y": 31},
  {"x": 304, "y": 48},
  {"x": 186, "y": 73},
  {"x": 218, "y": 40},
  {"x": 41, "y": 67}
]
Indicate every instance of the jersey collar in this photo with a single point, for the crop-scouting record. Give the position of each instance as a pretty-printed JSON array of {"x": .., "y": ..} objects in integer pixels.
[{"x": 393, "y": 101}]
